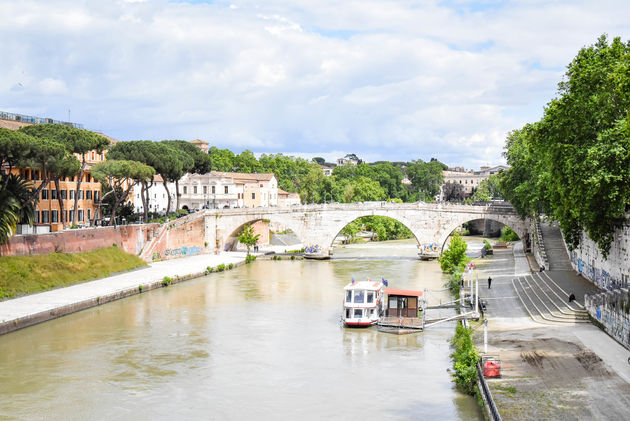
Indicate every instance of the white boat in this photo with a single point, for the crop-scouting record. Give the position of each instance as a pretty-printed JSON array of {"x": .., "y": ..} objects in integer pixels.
[{"x": 363, "y": 303}]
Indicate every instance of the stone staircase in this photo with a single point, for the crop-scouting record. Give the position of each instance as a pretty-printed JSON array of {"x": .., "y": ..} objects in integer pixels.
[
  {"x": 555, "y": 251},
  {"x": 546, "y": 302}
]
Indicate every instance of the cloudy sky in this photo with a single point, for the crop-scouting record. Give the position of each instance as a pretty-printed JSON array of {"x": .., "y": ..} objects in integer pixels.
[{"x": 387, "y": 80}]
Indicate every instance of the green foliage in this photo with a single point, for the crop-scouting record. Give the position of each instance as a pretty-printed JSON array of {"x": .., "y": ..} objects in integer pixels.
[
  {"x": 140, "y": 288},
  {"x": 426, "y": 178},
  {"x": 221, "y": 267},
  {"x": 487, "y": 245},
  {"x": 21, "y": 275},
  {"x": 230, "y": 266},
  {"x": 166, "y": 281},
  {"x": 574, "y": 164},
  {"x": 250, "y": 258},
  {"x": 248, "y": 237},
  {"x": 453, "y": 192},
  {"x": 465, "y": 357},
  {"x": 489, "y": 189},
  {"x": 209, "y": 270},
  {"x": 452, "y": 257},
  {"x": 508, "y": 234}
]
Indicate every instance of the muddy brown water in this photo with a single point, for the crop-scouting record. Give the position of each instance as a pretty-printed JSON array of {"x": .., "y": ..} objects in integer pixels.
[{"x": 263, "y": 340}]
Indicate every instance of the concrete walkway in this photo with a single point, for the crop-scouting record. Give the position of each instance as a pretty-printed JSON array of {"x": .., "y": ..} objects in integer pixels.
[{"x": 31, "y": 309}]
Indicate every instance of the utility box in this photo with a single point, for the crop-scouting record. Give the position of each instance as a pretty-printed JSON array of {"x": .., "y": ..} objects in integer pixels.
[{"x": 491, "y": 367}]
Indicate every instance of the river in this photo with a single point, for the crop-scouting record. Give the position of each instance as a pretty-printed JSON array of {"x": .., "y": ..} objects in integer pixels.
[{"x": 261, "y": 341}]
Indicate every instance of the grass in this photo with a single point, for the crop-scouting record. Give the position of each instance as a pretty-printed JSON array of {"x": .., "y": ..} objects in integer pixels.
[{"x": 21, "y": 275}]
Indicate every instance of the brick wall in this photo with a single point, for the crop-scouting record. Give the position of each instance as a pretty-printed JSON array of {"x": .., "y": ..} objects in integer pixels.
[{"x": 130, "y": 238}]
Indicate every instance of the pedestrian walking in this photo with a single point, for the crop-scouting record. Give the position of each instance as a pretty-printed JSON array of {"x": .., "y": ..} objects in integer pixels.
[{"x": 489, "y": 282}]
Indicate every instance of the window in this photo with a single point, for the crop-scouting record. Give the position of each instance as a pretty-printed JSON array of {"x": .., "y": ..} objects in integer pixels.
[
  {"x": 348, "y": 296},
  {"x": 45, "y": 217},
  {"x": 81, "y": 215},
  {"x": 370, "y": 297},
  {"x": 36, "y": 217},
  {"x": 45, "y": 195},
  {"x": 96, "y": 194},
  {"x": 185, "y": 190},
  {"x": 89, "y": 177},
  {"x": 213, "y": 189},
  {"x": 88, "y": 194},
  {"x": 64, "y": 194},
  {"x": 71, "y": 194},
  {"x": 205, "y": 189},
  {"x": 54, "y": 216},
  {"x": 226, "y": 189},
  {"x": 358, "y": 313},
  {"x": 194, "y": 189},
  {"x": 253, "y": 195},
  {"x": 348, "y": 313},
  {"x": 71, "y": 214},
  {"x": 80, "y": 194},
  {"x": 92, "y": 155},
  {"x": 358, "y": 296},
  {"x": 66, "y": 216},
  {"x": 261, "y": 185},
  {"x": 89, "y": 214},
  {"x": 53, "y": 194}
]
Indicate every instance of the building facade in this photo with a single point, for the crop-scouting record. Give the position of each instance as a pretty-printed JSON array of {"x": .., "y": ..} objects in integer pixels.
[{"x": 469, "y": 179}]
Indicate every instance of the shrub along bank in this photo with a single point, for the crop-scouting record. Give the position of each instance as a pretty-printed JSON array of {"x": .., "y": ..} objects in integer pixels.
[{"x": 20, "y": 275}]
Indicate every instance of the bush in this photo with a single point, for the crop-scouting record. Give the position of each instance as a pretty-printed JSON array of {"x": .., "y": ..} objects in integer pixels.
[
  {"x": 231, "y": 266},
  {"x": 465, "y": 359},
  {"x": 508, "y": 234},
  {"x": 250, "y": 258},
  {"x": 166, "y": 281},
  {"x": 209, "y": 270},
  {"x": 221, "y": 267},
  {"x": 487, "y": 245},
  {"x": 454, "y": 255}
]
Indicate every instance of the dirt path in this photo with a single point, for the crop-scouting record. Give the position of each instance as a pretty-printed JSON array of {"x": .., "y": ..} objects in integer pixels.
[{"x": 551, "y": 372}]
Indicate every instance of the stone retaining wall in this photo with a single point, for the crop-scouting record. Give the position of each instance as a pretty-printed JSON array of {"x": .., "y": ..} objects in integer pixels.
[
  {"x": 612, "y": 310},
  {"x": 131, "y": 238},
  {"x": 611, "y": 273}
]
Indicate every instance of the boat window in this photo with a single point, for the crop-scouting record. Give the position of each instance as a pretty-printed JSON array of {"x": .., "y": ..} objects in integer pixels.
[
  {"x": 393, "y": 302},
  {"x": 372, "y": 312},
  {"x": 348, "y": 313},
  {"x": 358, "y": 296},
  {"x": 358, "y": 313},
  {"x": 370, "y": 297},
  {"x": 348, "y": 296}
]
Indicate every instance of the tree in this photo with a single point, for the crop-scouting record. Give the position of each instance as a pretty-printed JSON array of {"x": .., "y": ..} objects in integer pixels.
[
  {"x": 16, "y": 204},
  {"x": 452, "y": 257},
  {"x": 76, "y": 141},
  {"x": 574, "y": 164},
  {"x": 453, "y": 192},
  {"x": 489, "y": 189},
  {"x": 365, "y": 190},
  {"x": 120, "y": 176},
  {"x": 426, "y": 178},
  {"x": 221, "y": 159},
  {"x": 248, "y": 237},
  {"x": 197, "y": 162},
  {"x": 67, "y": 166},
  {"x": 246, "y": 162},
  {"x": 319, "y": 160}
]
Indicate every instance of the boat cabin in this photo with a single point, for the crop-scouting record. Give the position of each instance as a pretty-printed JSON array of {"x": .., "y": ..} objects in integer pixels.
[
  {"x": 402, "y": 303},
  {"x": 362, "y": 303}
]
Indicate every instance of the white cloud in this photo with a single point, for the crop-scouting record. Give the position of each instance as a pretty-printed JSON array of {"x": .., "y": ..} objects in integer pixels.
[{"x": 395, "y": 80}]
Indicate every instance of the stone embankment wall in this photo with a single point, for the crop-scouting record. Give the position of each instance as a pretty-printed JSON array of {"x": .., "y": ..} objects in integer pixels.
[
  {"x": 183, "y": 237},
  {"x": 612, "y": 310},
  {"x": 131, "y": 238},
  {"x": 611, "y": 273}
]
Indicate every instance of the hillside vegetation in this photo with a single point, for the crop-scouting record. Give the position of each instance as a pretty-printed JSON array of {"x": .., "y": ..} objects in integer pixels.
[{"x": 20, "y": 275}]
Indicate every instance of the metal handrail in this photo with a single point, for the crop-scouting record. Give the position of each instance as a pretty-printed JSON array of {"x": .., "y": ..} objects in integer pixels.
[{"x": 494, "y": 412}]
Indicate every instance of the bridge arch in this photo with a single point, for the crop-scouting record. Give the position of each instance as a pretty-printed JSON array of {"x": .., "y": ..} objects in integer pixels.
[
  {"x": 341, "y": 224},
  {"x": 516, "y": 224},
  {"x": 229, "y": 238}
]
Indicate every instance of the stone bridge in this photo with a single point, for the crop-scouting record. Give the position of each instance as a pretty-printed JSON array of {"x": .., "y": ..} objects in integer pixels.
[{"x": 320, "y": 224}]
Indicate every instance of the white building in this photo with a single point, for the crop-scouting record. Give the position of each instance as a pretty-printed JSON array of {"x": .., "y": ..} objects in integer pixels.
[
  {"x": 216, "y": 190},
  {"x": 158, "y": 198},
  {"x": 288, "y": 199},
  {"x": 469, "y": 179}
]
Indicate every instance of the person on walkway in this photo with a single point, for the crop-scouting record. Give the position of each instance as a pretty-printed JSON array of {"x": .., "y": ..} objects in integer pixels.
[
  {"x": 489, "y": 282},
  {"x": 572, "y": 297}
]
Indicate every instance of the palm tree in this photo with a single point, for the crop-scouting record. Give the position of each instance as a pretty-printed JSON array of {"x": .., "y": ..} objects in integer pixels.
[{"x": 16, "y": 204}]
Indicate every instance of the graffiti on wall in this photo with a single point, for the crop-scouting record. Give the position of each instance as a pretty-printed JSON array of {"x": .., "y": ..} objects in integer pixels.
[
  {"x": 182, "y": 251},
  {"x": 598, "y": 276},
  {"x": 612, "y": 310}
]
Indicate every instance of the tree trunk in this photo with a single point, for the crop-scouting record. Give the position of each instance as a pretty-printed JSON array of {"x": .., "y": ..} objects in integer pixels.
[
  {"x": 168, "y": 194},
  {"x": 76, "y": 193},
  {"x": 145, "y": 198},
  {"x": 119, "y": 200},
  {"x": 62, "y": 217},
  {"x": 177, "y": 196}
]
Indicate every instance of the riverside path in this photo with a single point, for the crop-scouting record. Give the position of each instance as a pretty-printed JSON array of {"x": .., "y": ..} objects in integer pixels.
[{"x": 28, "y": 310}]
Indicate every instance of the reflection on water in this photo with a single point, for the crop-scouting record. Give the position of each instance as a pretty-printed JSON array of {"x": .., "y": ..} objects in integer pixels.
[{"x": 262, "y": 341}]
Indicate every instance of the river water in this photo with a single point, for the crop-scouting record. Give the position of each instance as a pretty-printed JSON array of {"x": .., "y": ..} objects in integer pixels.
[{"x": 261, "y": 341}]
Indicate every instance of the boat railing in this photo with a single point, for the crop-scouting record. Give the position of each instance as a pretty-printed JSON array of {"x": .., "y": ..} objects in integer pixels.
[{"x": 404, "y": 322}]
